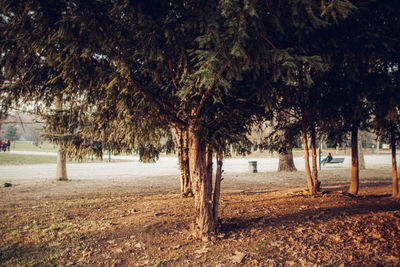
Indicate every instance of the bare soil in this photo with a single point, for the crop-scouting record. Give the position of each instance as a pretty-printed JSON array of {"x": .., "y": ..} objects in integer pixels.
[{"x": 147, "y": 223}]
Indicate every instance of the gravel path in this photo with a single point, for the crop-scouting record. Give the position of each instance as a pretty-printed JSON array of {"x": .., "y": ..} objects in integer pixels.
[{"x": 37, "y": 181}]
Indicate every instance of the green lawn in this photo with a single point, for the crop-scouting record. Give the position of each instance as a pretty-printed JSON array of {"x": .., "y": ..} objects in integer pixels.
[
  {"x": 16, "y": 159},
  {"x": 20, "y": 159},
  {"x": 28, "y": 146}
]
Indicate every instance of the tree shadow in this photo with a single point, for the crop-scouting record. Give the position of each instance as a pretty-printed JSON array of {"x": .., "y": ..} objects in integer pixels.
[{"x": 361, "y": 207}]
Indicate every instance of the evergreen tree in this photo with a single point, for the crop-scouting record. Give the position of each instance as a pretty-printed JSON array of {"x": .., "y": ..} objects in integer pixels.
[{"x": 354, "y": 50}]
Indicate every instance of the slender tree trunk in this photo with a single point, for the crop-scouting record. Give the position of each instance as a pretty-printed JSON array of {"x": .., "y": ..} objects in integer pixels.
[
  {"x": 378, "y": 144},
  {"x": 183, "y": 156},
  {"x": 361, "y": 160},
  {"x": 354, "y": 180},
  {"x": 61, "y": 173},
  {"x": 307, "y": 161},
  {"x": 395, "y": 183},
  {"x": 199, "y": 163},
  {"x": 314, "y": 161},
  {"x": 217, "y": 188}
]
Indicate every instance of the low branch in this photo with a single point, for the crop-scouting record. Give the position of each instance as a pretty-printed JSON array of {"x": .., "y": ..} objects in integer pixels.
[{"x": 208, "y": 91}]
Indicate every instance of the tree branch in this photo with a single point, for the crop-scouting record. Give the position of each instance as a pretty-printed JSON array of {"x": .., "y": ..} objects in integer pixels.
[
  {"x": 267, "y": 40},
  {"x": 208, "y": 91},
  {"x": 171, "y": 69}
]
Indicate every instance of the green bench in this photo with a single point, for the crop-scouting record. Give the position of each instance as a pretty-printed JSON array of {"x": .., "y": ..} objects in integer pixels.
[{"x": 335, "y": 161}]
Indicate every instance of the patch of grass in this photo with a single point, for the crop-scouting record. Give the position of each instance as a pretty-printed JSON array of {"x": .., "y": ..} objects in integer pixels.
[
  {"x": 20, "y": 159},
  {"x": 16, "y": 159},
  {"x": 28, "y": 146}
]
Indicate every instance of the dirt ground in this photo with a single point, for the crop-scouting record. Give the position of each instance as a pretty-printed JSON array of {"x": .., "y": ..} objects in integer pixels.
[{"x": 146, "y": 223}]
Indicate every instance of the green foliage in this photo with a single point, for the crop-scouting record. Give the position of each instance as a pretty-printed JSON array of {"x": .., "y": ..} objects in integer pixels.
[
  {"x": 11, "y": 132},
  {"x": 129, "y": 71}
]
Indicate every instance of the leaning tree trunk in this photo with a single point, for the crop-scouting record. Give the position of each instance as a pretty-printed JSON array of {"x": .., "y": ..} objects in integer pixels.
[
  {"x": 361, "y": 161},
  {"x": 395, "y": 183},
  {"x": 183, "y": 155},
  {"x": 307, "y": 161},
  {"x": 200, "y": 165},
  {"x": 354, "y": 180},
  {"x": 314, "y": 161}
]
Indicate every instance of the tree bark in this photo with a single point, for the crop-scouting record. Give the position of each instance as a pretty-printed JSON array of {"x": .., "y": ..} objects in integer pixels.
[
  {"x": 361, "y": 160},
  {"x": 395, "y": 183},
  {"x": 286, "y": 163},
  {"x": 183, "y": 156},
  {"x": 199, "y": 163},
  {"x": 354, "y": 180},
  {"x": 307, "y": 161},
  {"x": 217, "y": 188},
  {"x": 61, "y": 173},
  {"x": 314, "y": 161}
]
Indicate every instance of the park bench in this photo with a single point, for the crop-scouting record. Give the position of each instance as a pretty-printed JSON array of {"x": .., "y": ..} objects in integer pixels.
[{"x": 336, "y": 161}]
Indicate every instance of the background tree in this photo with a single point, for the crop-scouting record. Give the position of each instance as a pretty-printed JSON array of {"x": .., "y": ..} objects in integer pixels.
[
  {"x": 353, "y": 51},
  {"x": 11, "y": 133}
]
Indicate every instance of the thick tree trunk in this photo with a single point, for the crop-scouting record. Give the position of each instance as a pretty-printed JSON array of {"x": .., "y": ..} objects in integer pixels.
[
  {"x": 395, "y": 183},
  {"x": 199, "y": 162},
  {"x": 361, "y": 161},
  {"x": 61, "y": 173},
  {"x": 307, "y": 161},
  {"x": 286, "y": 163},
  {"x": 354, "y": 180},
  {"x": 314, "y": 161},
  {"x": 183, "y": 156}
]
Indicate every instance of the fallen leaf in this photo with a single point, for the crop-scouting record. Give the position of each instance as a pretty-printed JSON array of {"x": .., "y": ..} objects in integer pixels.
[
  {"x": 202, "y": 250},
  {"x": 238, "y": 257}
]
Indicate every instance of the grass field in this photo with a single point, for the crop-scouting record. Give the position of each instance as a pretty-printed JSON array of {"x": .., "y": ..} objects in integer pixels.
[
  {"x": 20, "y": 159},
  {"x": 28, "y": 146},
  {"x": 17, "y": 159}
]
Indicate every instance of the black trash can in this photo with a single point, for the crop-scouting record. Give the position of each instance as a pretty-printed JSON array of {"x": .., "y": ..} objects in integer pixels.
[{"x": 252, "y": 166}]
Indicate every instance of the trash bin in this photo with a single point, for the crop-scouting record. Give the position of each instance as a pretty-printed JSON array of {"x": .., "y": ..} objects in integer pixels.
[{"x": 252, "y": 166}]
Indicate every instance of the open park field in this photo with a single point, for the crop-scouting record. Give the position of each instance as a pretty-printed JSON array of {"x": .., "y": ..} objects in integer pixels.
[{"x": 126, "y": 213}]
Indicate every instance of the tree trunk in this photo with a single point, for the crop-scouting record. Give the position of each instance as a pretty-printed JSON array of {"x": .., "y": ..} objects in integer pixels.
[
  {"x": 361, "y": 161},
  {"x": 217, "y": 188},
  {"x": 378, "y": 144},
  {"x": 199, "y": 163},
  {"x": 61, "y": 173},
  {"x": 307, "y": 161},
  {"x": 183, "y": 156},
  {"x": 286, "y": 163},
  {"x": 395, "y": 183},
  {"x": 314, "y": 161},
  {"x": 354, "y": 180}
]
